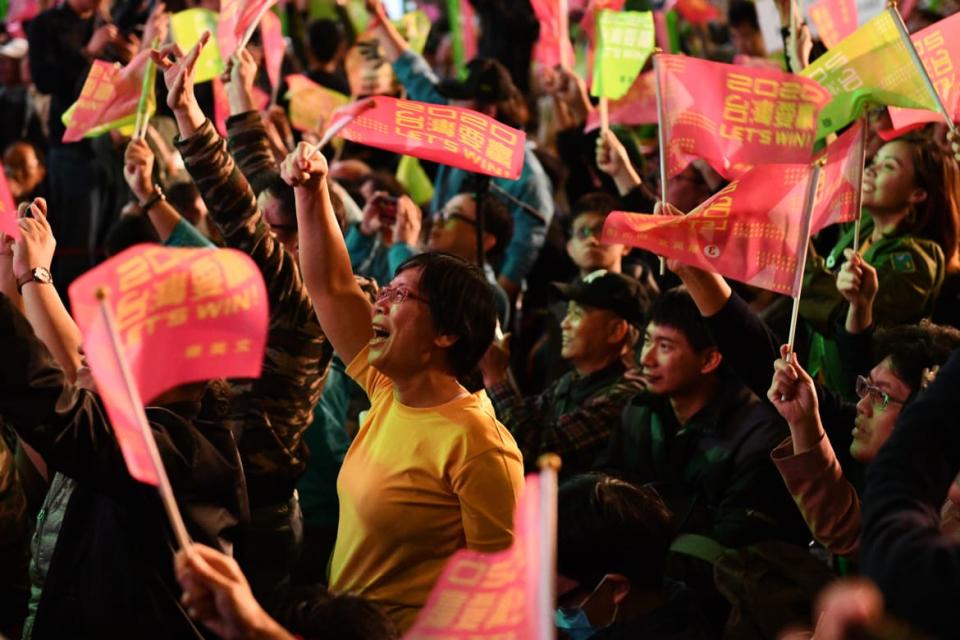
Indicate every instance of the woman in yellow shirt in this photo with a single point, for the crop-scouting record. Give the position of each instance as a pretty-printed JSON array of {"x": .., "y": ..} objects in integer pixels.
[{"x": 431, "y": 469}]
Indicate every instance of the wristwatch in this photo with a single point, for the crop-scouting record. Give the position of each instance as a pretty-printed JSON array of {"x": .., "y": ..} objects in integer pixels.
[
  {"x": 37, "y": 274},
  {"x": 157, "y": 196}
]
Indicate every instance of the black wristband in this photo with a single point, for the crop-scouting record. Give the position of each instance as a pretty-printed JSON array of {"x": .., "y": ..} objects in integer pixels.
[{"x": 157, "y": 196}]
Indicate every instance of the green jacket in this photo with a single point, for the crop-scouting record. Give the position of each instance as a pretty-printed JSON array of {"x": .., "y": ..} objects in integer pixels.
[{"x": 910, "y": 271}]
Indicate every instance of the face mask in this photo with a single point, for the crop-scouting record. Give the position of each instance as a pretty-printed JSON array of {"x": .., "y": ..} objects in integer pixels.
[{"x": 574, "y": 621}]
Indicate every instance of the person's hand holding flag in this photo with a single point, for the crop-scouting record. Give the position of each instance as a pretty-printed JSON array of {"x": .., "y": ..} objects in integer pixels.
[{"x": 238, "y": 78}]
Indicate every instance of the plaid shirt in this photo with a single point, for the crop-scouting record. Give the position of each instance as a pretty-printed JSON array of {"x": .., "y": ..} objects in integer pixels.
[
  {"x": 572, "y": 418},
  {"x": 271, "y": 413}
]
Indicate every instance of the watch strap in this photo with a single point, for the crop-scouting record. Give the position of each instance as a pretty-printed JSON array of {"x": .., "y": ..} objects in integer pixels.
[{"x": 31, "y": 276}]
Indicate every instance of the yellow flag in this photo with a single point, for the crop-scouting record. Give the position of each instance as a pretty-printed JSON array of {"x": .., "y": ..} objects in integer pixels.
[
  {"x": 873, "y": 64},
  {"x": 187, "y": 27}
]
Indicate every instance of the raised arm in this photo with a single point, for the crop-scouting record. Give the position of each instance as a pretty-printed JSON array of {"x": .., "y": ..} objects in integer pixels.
[
  {"x": 41, "y": 302},
  {"x": 138, "y": 172},
  {"x": 390, "y": 39},
  {"x": 344, "y": 311}
]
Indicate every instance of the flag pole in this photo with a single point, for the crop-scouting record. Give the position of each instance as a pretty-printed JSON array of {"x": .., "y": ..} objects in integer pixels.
[
  {"x": 149, "y": 78},
  {"x": 549, "y": 464},
  {"x": 564, "y": 40},
  {"x": 793, "y": 60},
  {"x": 858, "y": 193},
  {"x": 253, "y": 27},
  {"x": 166, "y": 491},
  {"x": 808, "y": 205},
  {"x": 662, "y": 139},
  {"x": 912, "y": 50},
  {"x": 604, "y": 115},
  {"x": 337, "y": 127}
]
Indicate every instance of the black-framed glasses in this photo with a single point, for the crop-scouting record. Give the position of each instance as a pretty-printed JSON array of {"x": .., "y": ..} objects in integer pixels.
[
  {"x": 446, "y": 215},
  {"x": 878, "y": 396},
  {"x": 396, "y": 295}
]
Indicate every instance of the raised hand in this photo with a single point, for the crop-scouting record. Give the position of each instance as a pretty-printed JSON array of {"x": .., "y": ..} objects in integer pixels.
[
  {"x": 178, "y": 76},
  {"x": 36, "y": 245},
  {"x": 409, "y": 222},
  {"x": 138, "y": 169},
  {"x": 613, "y": 160},
  {"x": 794, "y": 396},
  {"x": 305, "y": 167}
]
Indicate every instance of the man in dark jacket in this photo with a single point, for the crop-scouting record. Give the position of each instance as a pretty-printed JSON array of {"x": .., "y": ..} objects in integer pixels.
[
  {"x": 704, "y": 441},
  {"x": 110, "y": 570}
]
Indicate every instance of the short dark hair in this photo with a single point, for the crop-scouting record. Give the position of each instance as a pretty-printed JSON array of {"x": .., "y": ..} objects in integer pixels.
[
  {"x": 596, "y": 202},
  {"x": 915, "y": 347},
  {"x": 313, "y": 613},
  {"x": 605, "y": 525},
  {"x": 326, "y": 37},
  {"x": 743, "y": 13},
  {"x": 278, "y": 189},
  {"x": 496, "y": 217},
  {"x": 128, "y": 231},
  {"x": 461, "y": 304},
  {"x": 676, "y": 309}
]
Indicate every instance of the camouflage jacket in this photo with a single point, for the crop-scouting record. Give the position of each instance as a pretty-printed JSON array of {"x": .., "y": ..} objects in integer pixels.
[{"x": 271, "y": 413}]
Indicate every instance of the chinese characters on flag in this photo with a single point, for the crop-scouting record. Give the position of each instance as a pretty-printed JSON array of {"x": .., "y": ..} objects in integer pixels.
[
  {"x": 108, "y": 99},
  {"x": 834, "y": 20},
  {"x": 736, "y": 117},
  {"x": 938, "y": 47},
  {"x": 624, "y": 43},
  {"x": 453, "y": 136},
  {"x": 491, "y": 595},
  {"x": 181, "y": 315},
  {"x": 749, "y": 231}
]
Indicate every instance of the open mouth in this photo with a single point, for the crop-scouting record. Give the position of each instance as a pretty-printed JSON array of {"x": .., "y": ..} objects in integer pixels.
[{"x": 379, "y": 334}]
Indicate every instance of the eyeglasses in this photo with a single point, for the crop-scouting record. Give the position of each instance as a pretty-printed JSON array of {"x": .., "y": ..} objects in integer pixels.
[
  {"x": 396, "y": 295},
  {"x": 446, "y": 215},
  {"x": 587, "y": 231},
  {"x": 878, "y": 396}
]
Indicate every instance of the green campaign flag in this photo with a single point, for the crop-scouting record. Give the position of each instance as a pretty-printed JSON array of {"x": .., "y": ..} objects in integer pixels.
[
  {"x": 625, "y": 40},
  {"x": 873, "y": 64},
  {"x": 187, "y": 27},
  {"x": 414, "y": 179}
]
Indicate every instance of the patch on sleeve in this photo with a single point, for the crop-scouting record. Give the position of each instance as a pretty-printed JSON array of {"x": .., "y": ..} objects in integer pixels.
[{"x": 903, "y": 262}]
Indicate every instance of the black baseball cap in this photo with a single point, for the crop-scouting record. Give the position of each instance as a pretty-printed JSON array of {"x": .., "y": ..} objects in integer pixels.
[
  {"x": 604, "y": 289},
  {"x": 487, "y": 81}
]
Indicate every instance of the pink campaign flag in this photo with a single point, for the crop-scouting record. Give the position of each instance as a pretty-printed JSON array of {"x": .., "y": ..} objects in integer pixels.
[
  {"x": 8, "y": 210},
  {"x": 236, "y": 18},
  {"x": 271, "y": 34},
  {"x": 492, "y": 595},
  {"x": 736, "y": 117},
  {"x": 554, "y": 46},
  {"x": 181, "y": 315},
  {"x": 453, "y": 136},
  {"x": 842, "y": 176},
  {"x": 939, "y": 48},
  {"x": 834, "y": 20},
  {"x": 20, "y": 11},
  {"x": 638, "y": 107},
  {"x": 749, "y": 231}
]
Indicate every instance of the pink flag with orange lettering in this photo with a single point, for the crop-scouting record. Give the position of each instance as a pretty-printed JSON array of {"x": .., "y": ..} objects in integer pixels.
[
  {"x": 840, "y": 182},
  {"x": 638, "y": 107},
  {"x": 236, "y": 18},
  {"x": 749, "y": 231},
  {"x": 939, "y": 48},
  {"x": 181, "y": 315},
  {"x": 453, "y": 136},
  {"x": 834, "y": 19},
  {"x": 492, "y": 595},
  {"x": 554, "y": 46},
  {"x": 736, "y": 117},
  {"x": 109, "y": 94},
  {"x": 8, "y": 209}
]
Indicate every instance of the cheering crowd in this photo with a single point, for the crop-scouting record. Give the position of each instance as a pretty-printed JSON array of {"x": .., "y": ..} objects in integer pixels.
[{"x": 432, "y": 333}]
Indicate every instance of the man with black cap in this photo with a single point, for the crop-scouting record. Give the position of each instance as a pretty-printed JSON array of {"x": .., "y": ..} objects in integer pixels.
[
  {"x": 489, "y": 90},
  {"x": 575, "y": 415}
]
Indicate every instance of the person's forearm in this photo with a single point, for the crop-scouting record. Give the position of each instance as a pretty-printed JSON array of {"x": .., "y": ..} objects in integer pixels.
[
  {"x": 189, "y": 120},
  {"x": 859, "y": 318},
  {"x": 626, "y": 180},
  {"x": 239, "y": 99},
  {"x": 709, "y": 290},
  {"x": 806, "y": 433},
  {"x": 321, "y": 240},
  {"x": 164, "y": 218},
  {"x": 391, "y": 41},
  {"x": 53, "y": 325}
]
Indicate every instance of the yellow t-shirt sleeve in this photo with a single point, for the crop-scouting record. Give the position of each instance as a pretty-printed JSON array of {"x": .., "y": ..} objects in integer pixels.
[
  {"x": 488, "y": 487},
  {"x": 369, "y": 379}
]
